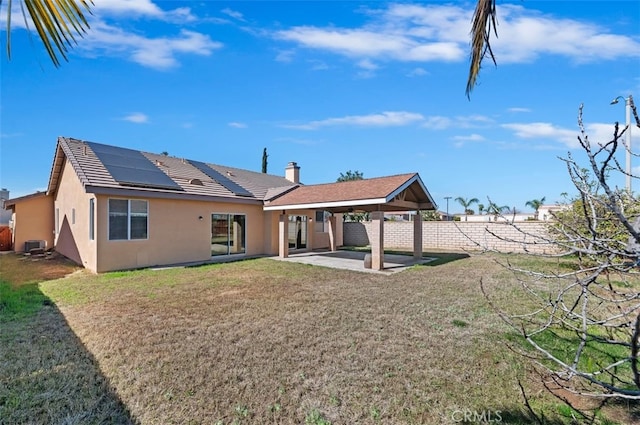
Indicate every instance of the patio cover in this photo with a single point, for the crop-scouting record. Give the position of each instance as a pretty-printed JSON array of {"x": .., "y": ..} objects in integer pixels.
[{"x": 404, "y": 192}]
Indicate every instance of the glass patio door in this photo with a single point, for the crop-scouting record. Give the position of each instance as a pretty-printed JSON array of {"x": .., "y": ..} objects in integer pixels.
[{"x": 227, "y": 234}]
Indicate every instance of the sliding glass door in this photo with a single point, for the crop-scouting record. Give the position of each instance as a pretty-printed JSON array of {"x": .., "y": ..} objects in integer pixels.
[
  {"x": 297, "y": 232},
  {"x": 228, "y": 234}
]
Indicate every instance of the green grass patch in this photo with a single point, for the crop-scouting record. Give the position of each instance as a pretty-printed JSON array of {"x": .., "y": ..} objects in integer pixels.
[
  {"x": 20, "y": 302},
  {"x": 460, "y": 323},
  {"x": 562, "y": 344}
]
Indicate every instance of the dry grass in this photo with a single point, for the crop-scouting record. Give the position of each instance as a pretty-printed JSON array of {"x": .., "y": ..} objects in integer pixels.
[
  {"x": 46, "y": 374},
  {"x": 264, "y": 341}
]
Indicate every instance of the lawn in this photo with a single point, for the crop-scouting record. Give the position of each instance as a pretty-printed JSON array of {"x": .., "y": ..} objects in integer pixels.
[{"x": 263, "y": 341}]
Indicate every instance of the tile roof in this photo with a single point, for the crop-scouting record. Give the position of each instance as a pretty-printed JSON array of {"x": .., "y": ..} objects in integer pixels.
[
  {"x": 93, "y": 174},
  {"x": 395, "y": 192},
  {"x": 366, "y": 192}
]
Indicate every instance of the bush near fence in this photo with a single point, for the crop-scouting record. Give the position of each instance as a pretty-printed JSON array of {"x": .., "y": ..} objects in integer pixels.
[{"x": 450, "y": 235}]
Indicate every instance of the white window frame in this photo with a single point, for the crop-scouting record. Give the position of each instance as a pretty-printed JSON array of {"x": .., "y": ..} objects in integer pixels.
[{"x": 128, "y": 238}]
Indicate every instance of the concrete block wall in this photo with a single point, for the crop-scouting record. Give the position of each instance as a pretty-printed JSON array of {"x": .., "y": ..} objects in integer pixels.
[{"x": 451, "y": 235}]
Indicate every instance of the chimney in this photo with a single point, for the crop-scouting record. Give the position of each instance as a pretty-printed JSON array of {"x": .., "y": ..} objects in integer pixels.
[{"x": 292, "y": 172}]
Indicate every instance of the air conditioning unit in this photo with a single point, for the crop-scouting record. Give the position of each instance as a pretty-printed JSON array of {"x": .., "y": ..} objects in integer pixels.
[{"x": 29, "y": 245}]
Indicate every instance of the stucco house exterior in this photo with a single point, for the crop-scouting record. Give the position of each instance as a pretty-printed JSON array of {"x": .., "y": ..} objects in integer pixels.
[{"x": 112, "y": 208}]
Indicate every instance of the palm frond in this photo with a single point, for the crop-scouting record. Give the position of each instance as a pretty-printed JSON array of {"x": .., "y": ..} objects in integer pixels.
[
  {"x": 57, "y": 23},
  {"x": 484, "y": 22}
]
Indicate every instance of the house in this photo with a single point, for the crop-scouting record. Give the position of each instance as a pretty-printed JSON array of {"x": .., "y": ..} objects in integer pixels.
[
  {"x": 112, "y": 208},
  {"x": 32, "y": 221}
]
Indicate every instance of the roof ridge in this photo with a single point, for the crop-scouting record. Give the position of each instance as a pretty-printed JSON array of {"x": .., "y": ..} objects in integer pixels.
[{"x": 409, "y": 175}]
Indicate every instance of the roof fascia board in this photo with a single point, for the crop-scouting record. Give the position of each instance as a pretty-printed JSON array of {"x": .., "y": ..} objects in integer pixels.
[
  {"x": 56, "y": 166},
  {"x": 317, "y": 205},
  {"x": 402, "y": 187},
  {"x": 415, "y": 178},
  {"x": 97, "y": 190},
  {"x": 14, "y": 201}
]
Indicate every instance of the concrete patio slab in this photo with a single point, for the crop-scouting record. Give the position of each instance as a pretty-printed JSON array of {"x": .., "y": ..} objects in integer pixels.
[{"x": 352, "y": 260}]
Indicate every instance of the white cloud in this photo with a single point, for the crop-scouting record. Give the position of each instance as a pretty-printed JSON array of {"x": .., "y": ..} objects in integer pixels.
[
  {"x": 597, "y": 132},
  {"x": 144, "y": 8},
  {"x": 470, "y": 138},
  {"x": 236, "y": 124},
  {"x": 360, "y": 43},
  {"x": 159, "y": 53},
  {"x": 517, "y": 109},
  {"x": 317, "y": 65},
  {"x": 233, "y": 13},
  {"x": 439, "y": 32},
  {"x": 437, "y": 122},
  {"x": 525, "y": 35},
  {"x": 460, "y": 141},
  {"x": 285, "y": 55},
  {"x": 383, "y": 119},
  {"x": 137, "y": 118},
  {"x": 368, "y": 65},
  {"x": 417, "y": 72}
]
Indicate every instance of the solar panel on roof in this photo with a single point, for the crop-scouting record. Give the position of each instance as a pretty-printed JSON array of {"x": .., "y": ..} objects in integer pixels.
[
  {"x": 131, "y": 168},
  {"x": 221, "y": 179}
]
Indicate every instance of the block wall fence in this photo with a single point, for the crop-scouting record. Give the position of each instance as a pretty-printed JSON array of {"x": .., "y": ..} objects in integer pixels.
[{"x": 452, "y": 235}]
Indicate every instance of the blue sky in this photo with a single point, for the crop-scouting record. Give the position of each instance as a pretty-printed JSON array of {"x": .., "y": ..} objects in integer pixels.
[{"x": 371, "y": 86}]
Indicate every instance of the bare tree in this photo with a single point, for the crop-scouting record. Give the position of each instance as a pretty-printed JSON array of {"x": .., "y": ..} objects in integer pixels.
[{"x": 582, "y": 328}]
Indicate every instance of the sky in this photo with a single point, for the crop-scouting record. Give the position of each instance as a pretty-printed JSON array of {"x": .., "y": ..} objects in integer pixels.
[{"x": 377, "y": 87}]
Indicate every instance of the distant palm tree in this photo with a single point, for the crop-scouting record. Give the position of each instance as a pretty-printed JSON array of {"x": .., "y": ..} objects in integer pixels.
[
  {"x": 466, "y": 204},
  {"x": 480, "y": 209},
  {"x": 496, "y": 210},
  {"x": 57, "y": 22},
  {"x": 535, "y": 204}
]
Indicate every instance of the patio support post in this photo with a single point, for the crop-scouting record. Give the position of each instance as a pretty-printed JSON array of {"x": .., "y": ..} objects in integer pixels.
[
  {"x": 283, "y": 236},
  {"x": 311, "y": 229},
  {"x": 377, "y": 240},
  {"x": 417, "y": 235},
  {"x": 332, "y": 233}
]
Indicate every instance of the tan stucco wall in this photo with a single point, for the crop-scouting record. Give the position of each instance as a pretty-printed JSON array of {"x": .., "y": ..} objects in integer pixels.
[
  {"x": 271, "y": 232},
  {"x": 176, "y": 234},
  {"x": 33, "y": 220},
  {"x": 72, "y": 206}
]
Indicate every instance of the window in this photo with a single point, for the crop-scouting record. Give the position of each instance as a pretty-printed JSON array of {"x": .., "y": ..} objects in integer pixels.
[
  {"x": 92, "y": 210},
  {"x": 128, "y": 219}
]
